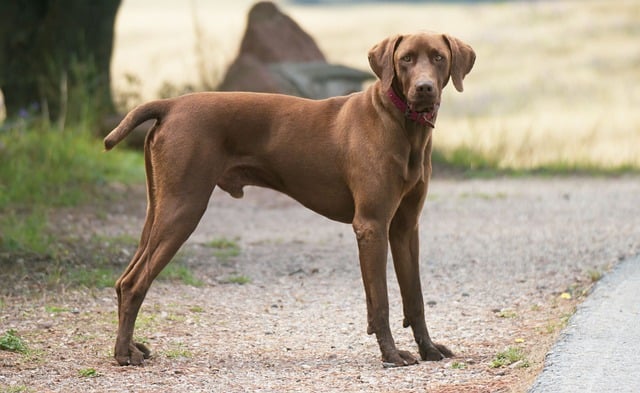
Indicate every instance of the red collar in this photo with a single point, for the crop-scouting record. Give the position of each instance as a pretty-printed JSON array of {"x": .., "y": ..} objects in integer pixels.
[{"x": 424, "y": 118}]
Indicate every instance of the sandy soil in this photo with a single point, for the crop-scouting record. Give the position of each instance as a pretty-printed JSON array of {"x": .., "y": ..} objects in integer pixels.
[{"x": 497, "y": 255}]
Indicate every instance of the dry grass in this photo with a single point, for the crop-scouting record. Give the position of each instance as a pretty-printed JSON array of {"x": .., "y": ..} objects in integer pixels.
[{"x": 556, "y": 83}]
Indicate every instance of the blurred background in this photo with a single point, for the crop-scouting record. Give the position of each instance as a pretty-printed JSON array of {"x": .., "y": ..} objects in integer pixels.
[
  {"x": 556, "y": 84},
  {"x": 555, "y": 88}
]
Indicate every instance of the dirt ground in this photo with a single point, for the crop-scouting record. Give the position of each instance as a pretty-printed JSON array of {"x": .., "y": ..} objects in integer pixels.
[{"x": 504, "y": 262}]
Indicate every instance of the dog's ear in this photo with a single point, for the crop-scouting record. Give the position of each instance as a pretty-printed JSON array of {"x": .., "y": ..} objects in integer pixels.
[
  {"x": 381, "y": 59},
  {"x": 462, "y": 59}
]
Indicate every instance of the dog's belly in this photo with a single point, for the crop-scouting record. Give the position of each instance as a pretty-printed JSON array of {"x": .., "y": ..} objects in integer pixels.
[{"x": 320, "y": 192}]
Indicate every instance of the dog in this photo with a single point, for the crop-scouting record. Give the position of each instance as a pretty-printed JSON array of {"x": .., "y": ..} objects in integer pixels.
[{"x": 362, "y": 159}]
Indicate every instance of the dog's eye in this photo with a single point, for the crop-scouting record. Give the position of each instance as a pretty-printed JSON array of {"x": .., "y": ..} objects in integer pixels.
[
  {"x": 406, "y": 58},
  {"x": 438, "y": 57}
]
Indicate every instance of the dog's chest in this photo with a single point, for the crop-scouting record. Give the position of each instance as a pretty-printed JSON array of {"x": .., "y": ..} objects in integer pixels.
[
  {"x": 413, "y": 169},
  {"x": 416, "y": 160}
]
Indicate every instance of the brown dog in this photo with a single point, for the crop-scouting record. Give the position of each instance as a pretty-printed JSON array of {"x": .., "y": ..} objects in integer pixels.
[{"x": 363, "y": 159}]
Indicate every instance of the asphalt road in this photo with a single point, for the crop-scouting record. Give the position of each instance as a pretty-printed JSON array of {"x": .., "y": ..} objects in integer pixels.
[{"x": 600, "y": 349}]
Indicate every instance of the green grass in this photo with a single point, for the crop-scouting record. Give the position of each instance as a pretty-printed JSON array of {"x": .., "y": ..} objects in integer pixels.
[
  {"x": 594, "y": 275},
  {"x": 458, "y": 365},
  {"x": 42, "y": 167},
  {"x": 507, "y": 314},
  {"x": 224, "y": 248},
  {"x": 15, "y": 389},
  {"x": 55, "y": 309},
  {"x": 93, "y": 277},
  {"x": 51, "y": 167},
  {"x": 176, "y": 271},
  {"x": 88, "y": 372},
  {"x": 237, "y": 279},
  {"x": 178, "y": 351},
  {"x": 508, "y": 357},
  {"x": 10, "y": 341}
]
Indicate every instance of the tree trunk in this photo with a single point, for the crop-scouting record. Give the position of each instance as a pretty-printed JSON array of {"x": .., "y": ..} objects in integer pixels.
[{"x": 55, "y": 56}]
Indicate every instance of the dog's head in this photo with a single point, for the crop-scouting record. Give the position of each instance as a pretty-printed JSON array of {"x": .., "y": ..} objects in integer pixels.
[{"x": 419, "y": 66}]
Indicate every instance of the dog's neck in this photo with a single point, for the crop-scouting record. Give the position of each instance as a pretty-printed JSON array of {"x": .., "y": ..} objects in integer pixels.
[{"x": 423, "y": 118}]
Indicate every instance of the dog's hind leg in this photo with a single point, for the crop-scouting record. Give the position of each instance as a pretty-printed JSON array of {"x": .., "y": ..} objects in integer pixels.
[
  {"x": 170, "y": 227},
  {"x": 173, "y": 213}
]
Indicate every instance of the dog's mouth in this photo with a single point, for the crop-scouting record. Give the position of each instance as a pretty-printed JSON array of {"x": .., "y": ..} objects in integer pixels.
[
  {"x": 423, "y": 107},
  {"x": 422, "y": 110}
]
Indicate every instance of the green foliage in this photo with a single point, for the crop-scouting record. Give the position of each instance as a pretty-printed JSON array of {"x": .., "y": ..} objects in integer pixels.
[
  {"x": 507, "y": 314},
  {"x": 465, "y": 157},
  {"x": 178, "y": 272},
  {"x": 88, "y": 372},
  {"x": 473, "y": 162},
  {"x": 42, "y": 167},
  {"x": 510, "y": 356},
  {"x": 24, "y": 231},
  {"x": 10, "y": 341},
  {"x": 53, "y": 167},
  {"x": 594, "y": 274},
  {"x": 458, "y": 365},
  {"x": 55, "y": 309},
  {"x": 224, "y": 248},
  {"x": 15, "y": 389},
  {"x": 179, "y": 351},
  {"x": 237, "y": 279}
]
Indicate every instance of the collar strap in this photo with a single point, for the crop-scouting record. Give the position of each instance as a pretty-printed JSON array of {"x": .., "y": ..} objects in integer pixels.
[{"x": 423, "y": 118}]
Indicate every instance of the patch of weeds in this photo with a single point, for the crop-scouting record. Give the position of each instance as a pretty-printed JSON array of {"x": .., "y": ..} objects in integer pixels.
[
  {"x": 483, "y": 195},
  {"x": 508, "y": 357},
  {"x": 88, "y": 372},
  {"x": 15, "y": 389},
  {"x": 142, "y": 340},
  {"x": 197, "y": 309},
  {"x": 25, "y": 231},
  {"x": 181, "y": 273},
  {"x": 594, "y": 275},
  {"x": 35, "y": 356},
  {"x": 550, "y": 328},
  {"x": 224, "y": 248},
  {"x": 466, "y": 158},
  {"x": 564, "y": 319},
  {"x": 52, "y": 167},
  {"x": 507, "y": 314},
  {"x": 55, "y": 309},
  {"x": 115, "y": 246},
  {"x": 238, "y": 279},
  {"x": 146, "y": 321},
  {"x": 10, "y": 341},
  {"x": 100, "y": 277},
  {"x": 175, "y": 318},
  {"x": 458, "y": 365},
  {"x": 178, "y": 352}
]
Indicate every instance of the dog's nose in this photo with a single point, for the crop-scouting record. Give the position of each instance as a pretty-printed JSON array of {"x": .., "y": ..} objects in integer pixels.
[{"x": 424, "y": 87}]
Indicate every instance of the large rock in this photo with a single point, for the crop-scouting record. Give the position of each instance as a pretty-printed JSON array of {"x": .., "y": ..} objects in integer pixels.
[{"x": 277, "y": 56}]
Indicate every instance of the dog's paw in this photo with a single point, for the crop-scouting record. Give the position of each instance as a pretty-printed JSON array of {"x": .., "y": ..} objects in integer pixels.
[
  {"x": 400, "y": 359},
  {"x": 136, "y": 355},
  {"x": 434, "y": 352}
]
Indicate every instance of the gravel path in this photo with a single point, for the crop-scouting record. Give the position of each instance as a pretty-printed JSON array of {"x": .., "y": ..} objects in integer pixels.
[{"x": 500, "y": 260}]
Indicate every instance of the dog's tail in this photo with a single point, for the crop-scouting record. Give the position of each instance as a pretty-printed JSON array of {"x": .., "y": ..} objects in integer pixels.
[{"x": 140, "y": 114}]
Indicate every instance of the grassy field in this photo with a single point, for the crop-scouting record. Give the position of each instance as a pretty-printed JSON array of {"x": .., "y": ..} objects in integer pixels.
[
  {"x": 43, "y": 167},
  {"x": 556, "y": 84}
]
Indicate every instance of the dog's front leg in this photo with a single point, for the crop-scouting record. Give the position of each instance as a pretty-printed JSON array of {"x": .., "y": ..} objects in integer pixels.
[
  {"x": 373, "y": 248},
  {"x": 404, "y": 240}
]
